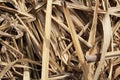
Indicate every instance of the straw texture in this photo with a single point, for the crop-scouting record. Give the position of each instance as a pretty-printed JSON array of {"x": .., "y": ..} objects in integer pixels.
[{"x": 59, "y": 39}]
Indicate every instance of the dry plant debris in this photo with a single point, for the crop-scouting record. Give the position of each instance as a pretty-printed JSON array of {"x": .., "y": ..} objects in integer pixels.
[{"x": 59, "y": 39}]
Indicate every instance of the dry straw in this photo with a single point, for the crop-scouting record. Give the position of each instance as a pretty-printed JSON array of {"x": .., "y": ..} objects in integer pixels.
[{"x": 59, "y": 39}]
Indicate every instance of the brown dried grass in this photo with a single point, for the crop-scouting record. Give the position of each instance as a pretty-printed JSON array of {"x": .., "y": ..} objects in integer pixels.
[{"x": 59, "y": 39}]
